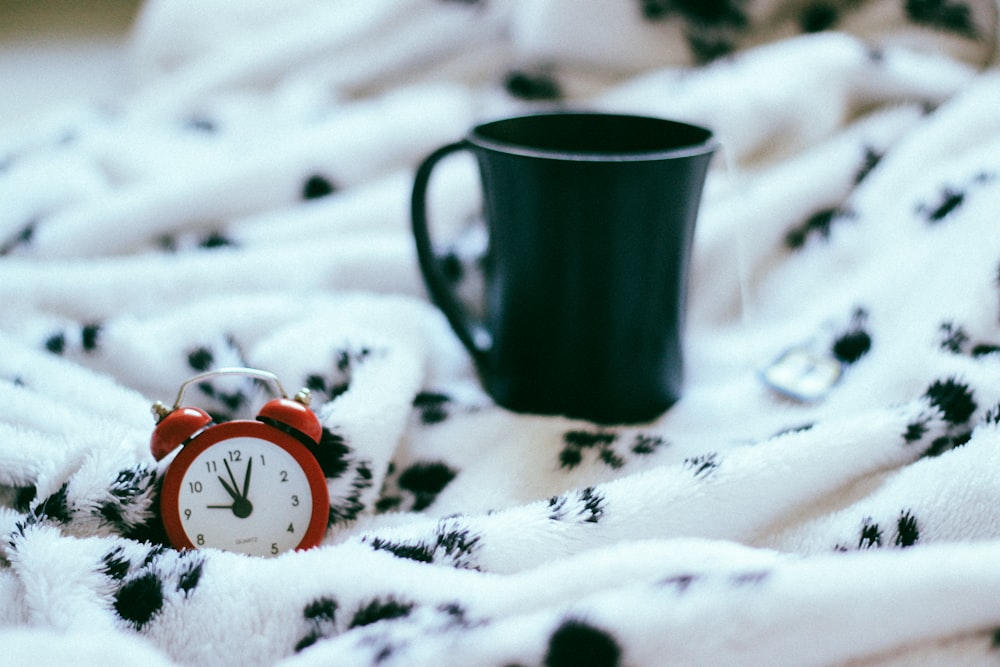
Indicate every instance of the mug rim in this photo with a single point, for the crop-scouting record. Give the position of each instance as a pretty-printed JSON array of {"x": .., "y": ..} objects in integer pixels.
[{"x": 705, "y": 146}]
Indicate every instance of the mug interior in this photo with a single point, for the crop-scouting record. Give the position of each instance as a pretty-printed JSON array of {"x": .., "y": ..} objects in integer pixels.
[{"x": 598, "y": 135}]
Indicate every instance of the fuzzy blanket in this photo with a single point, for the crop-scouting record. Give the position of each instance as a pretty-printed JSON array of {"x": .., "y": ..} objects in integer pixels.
[{"x": 826, "y": 492}]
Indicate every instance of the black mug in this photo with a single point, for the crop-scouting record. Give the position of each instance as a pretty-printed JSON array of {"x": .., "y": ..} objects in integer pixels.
[{"x": 590, "y": 218}]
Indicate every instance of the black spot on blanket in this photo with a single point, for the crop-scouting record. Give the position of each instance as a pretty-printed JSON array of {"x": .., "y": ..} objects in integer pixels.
[
  {"x": 703, "y": 12},
  {"x": 819, "y": 224},
  {"x": 420, "y": 552},
  {"x": 704, "y": 465},
  {"x": 115, "y": 564},
  {"x": 799, "y": 428},
  {"x": 200, "y": 359},
  {"x": 983, "y": 349},
  {"x": 570, "y": 458},
  {"x": 214, "y": 240},
  {"x": 706, "y": 48},
  {"x": 190, "y": 574},
  {"x": 532, "y": 85},
  {"x": 946, "y": 443},
  {"x": 872, "y": 157},
  {"x": 907, "y": 532},
  {"x": 818, "y": 16},
  {"x": 954, "y": 399},
  {"x": 380, "y": 610},
  {"x": 854, "y": 343},
  {"x": 139, "y": 600},
  {"x": 232, "y": 400},
  {"x": 55, "y": 507},
  {"x": 433, "y": 406},
  {"x": 871, "y": 534},
  {"x": 154, "y": 553},
  {"x": 452, "y": 543},
  {"x": 346, "y": 358},
  {"x": 679, "y": 582},
  {"x": 23, "y": 497},
  {"x": 749, "y": 578},
  {"x": 577, "y": 441},
  {"x": 90, "y": 336},
  {"x": 338, "y": 380},
  {"x": 455, "y": 613},
  {"x": 587, "y": 439},
  {"x": 583, "y": 505},
  {"x": 388, "y": 504},
  {"x": 346, "y": 509},
  {"x": 915, "y": 431},
  {"x": 948, "y": 201},
  {"x": 130, "y": 493},
  {"x": 21, "y": 238},
  {"x": 320, "y": 614},
  {"x": 645, "y": 444},
  {"x": 324, "y": 609},
  {"x": 953, "y": 337},
  {"x": 425, "y": 480},
  {"x": 56, "y": 343},
  {"x": 943, "y": 15},
  {"x": 331, "y": 453},
  {"x": 317, "y": 186},
  {"x": 576, "y": 643},
  {"x": 317, "y": 384},
  {"x": 201, "y": 124},
  {"x": 992, "y": 416}
]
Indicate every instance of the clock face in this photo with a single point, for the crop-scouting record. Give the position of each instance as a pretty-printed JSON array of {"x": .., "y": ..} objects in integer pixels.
[{"x": 246, "y": 493}]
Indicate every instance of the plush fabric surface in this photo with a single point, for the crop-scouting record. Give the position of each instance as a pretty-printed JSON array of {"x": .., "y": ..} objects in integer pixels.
[{"x": 246, "y": 204}]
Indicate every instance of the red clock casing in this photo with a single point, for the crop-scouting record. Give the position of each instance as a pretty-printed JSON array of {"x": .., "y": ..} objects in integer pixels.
[{"x": 170, "y": 506}]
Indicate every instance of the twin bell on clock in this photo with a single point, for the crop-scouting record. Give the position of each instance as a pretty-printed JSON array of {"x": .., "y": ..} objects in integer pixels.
[{"x": 249, "y": 486}]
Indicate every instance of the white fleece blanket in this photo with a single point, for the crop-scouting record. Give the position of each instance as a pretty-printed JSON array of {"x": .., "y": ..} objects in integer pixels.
[{"x": 246, "y": 204}]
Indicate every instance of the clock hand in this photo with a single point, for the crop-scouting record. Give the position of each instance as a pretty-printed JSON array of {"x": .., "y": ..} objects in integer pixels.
[
  {"x": 231, "y": 489},
  {"x": 246, "y": 479},
  {"x": 241, "y": 508}
]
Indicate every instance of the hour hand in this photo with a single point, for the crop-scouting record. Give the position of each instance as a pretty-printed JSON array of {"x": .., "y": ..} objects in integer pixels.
[{"x": 231, "y": 490}]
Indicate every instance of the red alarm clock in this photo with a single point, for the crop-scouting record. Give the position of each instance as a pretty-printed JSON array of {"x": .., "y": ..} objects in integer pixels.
[{"x": 248, "y": 486}]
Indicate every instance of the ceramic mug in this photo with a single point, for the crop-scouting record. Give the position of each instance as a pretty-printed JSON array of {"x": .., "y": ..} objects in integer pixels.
[{"x": 590, "y": 218}]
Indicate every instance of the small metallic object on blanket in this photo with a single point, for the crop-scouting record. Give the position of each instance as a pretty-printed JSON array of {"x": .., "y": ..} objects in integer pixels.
[
  {"x": 250, "y": 486},
  {"x": 590, "y": 218},
  {"x": 803, "y": 374}
]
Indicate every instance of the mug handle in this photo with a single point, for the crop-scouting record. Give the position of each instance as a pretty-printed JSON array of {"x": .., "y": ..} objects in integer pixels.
[{"x": 473, "y": 335}]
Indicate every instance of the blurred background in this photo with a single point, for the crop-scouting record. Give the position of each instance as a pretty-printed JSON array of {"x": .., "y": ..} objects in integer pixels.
[{"x": 55, "y": 50}]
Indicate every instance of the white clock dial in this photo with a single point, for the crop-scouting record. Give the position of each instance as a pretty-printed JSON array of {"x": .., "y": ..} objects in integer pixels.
[{"x": 247, "y": 495}]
